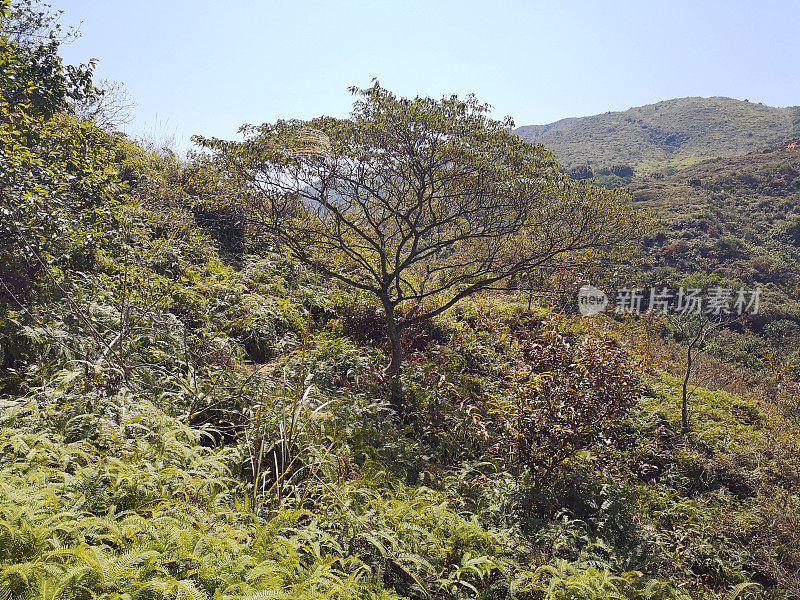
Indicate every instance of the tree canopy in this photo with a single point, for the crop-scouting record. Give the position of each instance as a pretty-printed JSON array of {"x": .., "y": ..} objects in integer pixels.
[{"x": 56, "y": 171}]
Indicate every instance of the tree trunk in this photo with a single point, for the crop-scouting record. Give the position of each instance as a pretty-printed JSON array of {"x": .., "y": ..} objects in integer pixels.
[
  {"x": 397, "y": 398},
  {"x": 698, "y": 339},
  {"x": 685, "y": 392},
  {"x": 393, "y": 369}
]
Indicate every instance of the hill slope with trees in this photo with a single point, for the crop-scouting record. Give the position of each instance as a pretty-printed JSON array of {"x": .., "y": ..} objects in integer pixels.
[
  {"x": 672, "y": 133},
  {"x": 191, "y": 410}
]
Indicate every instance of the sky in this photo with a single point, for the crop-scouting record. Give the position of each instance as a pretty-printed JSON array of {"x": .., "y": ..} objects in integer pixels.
[{"x": 202, "y": 67}]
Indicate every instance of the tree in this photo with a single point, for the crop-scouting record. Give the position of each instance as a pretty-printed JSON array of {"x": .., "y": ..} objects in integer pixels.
[
  {"x": 109, "y": 108},
  {"x": 31, "y": 22},
  {"x": 55, "y": 172},
  {"x": 420, "y": 202},
  {"x": 31, "y": 71},
  {"x": 694, "y": 328}
]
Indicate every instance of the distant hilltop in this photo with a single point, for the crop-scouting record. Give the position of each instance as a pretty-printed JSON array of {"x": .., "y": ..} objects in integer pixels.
[{"x": 673, "y": 133}]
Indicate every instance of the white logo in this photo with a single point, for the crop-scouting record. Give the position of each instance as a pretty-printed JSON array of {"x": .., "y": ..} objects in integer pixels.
[{"x": 591, "y": 301}]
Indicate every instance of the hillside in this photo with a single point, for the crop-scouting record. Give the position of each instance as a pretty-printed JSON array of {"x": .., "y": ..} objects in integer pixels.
[
  {"x": 733, "y": 222},
  {"x": 734, "y": 217},
  {"x": 192, "y": 409},
  {"x": 672, "y": 133}
]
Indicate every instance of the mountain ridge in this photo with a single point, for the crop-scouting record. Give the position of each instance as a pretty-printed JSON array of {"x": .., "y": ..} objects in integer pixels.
[{"x": 668, "y": 134}]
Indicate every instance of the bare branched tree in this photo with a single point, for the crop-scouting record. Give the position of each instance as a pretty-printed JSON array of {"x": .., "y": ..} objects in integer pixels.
[{"x": 108, "y": 108}]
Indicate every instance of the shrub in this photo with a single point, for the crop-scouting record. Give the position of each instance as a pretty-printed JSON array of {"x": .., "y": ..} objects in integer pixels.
[
  {"x": 792, "y": 232},
  {"x": 679, "y": 248},
  {"x": 571, "y": 394},
  {"x": 730, "y": 247}
]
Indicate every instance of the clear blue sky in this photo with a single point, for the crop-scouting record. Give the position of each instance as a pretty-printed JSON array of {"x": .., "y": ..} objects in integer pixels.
[{"x": 207, "y": 67}]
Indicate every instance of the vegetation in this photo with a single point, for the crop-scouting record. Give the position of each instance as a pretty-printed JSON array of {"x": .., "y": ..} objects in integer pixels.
[
  {"x": 666, "y": 135},
  {"x": 418, "y": 202},
  {"x": 730, "y": 222},
  {"x": 188, "y": 410}
]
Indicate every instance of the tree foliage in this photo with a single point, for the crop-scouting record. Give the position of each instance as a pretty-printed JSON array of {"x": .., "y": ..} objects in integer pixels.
[{"x": 57, "y": 180}]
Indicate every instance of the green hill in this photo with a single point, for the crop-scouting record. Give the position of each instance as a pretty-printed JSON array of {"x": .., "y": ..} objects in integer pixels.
[
  {"x": 734, "y": 220},
  {"x": 672, "y": 133}
]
